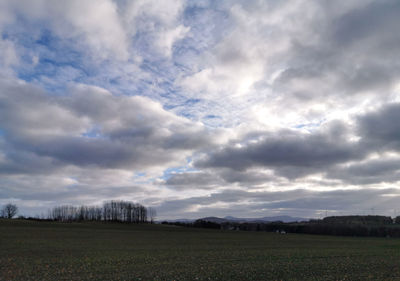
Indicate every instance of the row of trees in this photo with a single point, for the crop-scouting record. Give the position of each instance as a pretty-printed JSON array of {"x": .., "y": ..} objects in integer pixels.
[
  {"x": 9, "y": 211},
  {"x": 360, "y": 220},
  {"x": 376, "y": 226},
  {"x": 118, "y": 211}
]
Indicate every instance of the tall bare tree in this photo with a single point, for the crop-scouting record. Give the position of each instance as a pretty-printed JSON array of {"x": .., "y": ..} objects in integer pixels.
[
  {"x": 9, "y": 210},
  {"x": 152, "y": 214}
]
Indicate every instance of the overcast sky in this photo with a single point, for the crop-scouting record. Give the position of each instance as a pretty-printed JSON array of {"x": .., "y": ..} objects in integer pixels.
[{"x": 200, "y": 108}]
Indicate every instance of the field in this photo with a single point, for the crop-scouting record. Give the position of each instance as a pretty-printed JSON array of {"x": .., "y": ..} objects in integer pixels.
[{"x": 94, "y": 251}]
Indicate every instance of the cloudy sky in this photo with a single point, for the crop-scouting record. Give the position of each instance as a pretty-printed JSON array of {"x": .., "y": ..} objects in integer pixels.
[{"x": 199, "y": 108}]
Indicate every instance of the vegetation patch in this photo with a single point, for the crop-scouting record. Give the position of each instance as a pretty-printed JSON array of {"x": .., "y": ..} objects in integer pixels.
[{"x": 40, "y": 250}]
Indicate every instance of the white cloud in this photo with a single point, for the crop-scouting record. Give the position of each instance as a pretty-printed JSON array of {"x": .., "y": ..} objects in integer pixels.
[
  {"x": 93, "y": 25},
  {"x": 166, "y": 39},
  {"x": 8, "y": 55},
  {"x": 157, "y": 20},
  {"x": 97, "y": 23}
]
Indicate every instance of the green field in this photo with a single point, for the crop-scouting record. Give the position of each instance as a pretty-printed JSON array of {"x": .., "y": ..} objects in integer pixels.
[{"x": 94, "y": 251}]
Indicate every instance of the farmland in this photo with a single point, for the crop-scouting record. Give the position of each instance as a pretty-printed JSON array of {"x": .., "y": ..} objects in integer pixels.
[{"x": 31, "y": 250}]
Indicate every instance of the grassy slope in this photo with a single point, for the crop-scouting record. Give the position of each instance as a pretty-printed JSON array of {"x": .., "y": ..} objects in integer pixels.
[{"x": 57, "y": 251}]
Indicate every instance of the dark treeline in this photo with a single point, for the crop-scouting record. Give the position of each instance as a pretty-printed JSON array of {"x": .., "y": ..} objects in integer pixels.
[
  {"x": 116, "y": 211},
  {"x": 363, "y": 220},
  {"x": 375, "y": 226}
]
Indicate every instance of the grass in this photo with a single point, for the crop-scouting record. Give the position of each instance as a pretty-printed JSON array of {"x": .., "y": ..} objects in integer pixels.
[{"x": 95, "y": 251}]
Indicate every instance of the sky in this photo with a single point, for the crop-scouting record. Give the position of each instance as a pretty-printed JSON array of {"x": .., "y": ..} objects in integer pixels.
[{"x": 201, "y": 108}]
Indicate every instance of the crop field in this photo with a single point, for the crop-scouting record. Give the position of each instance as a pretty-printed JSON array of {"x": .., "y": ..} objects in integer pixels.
[{"x": 32, "y": 250}]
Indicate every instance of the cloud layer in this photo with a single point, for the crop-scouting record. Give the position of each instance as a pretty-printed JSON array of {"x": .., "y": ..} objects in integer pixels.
[{"x": 242, "y": 108}]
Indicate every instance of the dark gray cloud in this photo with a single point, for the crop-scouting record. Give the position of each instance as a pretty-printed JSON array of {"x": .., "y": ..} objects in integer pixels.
[
  {"x": 192, "y": 180},
  {"x": 247, "y": 178},
  {"x": 378, "y": 18},
  {"x": 289, "y": 153},
  {"x": 381, "y": 128},
  {"x": 23, "y": 162},
  {"x": 67, "y": 194},
  {"x": 212, "y": 178},
  {"x": 368, "y": 172},
  {"x": 351, "y": 53},
  {"x": 380, "y": 134}
]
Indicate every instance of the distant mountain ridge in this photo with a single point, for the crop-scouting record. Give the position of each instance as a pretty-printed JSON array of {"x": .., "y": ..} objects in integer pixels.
[
  {"x": 242, "y": 220},
  {"x": 181, "y": 220},
  {"x": 268, "y": 219}
]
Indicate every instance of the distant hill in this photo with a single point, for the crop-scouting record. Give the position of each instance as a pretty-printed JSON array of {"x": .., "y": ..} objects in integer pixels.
[
  {"x": 242, "y": 220},
  {"x": 180, "y": 220},
  {"x": 214, "y": 219},
  {"x": 259, "y": 220}
]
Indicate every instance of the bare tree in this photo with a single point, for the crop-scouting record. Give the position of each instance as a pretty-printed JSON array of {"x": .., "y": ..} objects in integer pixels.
[
  {"x": 152, "y": 214},
  {"x": 9, "y": 210}
]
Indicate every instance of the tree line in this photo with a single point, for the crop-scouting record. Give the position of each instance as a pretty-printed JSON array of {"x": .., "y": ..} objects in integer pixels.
[
  {"x": 115, "y": 211},
  {"x": 375, "y": 226}
]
